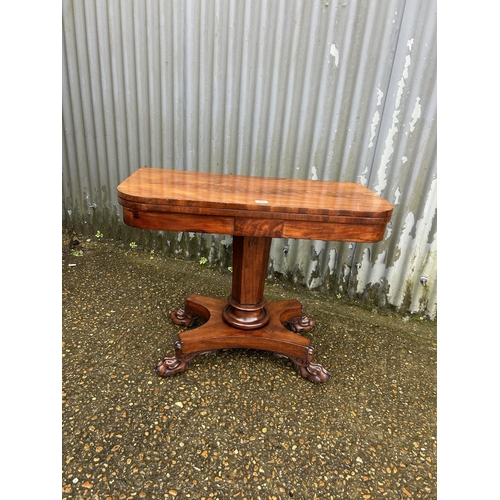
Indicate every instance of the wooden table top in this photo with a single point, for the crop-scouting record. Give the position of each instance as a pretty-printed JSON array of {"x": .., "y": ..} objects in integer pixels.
[
  {"x": 152, "y": 190},
  {"x": 224, "y": 191}
]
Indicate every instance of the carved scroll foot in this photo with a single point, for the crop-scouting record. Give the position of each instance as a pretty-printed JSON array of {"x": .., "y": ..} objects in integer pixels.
[
  {"x": 300, "y": 324},
  {"x": 313, "y": 371},
  {"x": 178, "y": 363},
  {"x": 183, "y": 317},
  {"x": 307, "y": 369},
  {"x": 171, "y": 365}
]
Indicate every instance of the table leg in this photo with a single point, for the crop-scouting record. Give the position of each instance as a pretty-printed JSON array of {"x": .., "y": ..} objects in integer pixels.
[{"x": 245, "y": 320}]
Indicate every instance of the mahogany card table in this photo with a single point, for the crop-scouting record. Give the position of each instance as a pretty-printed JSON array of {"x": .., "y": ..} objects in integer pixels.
[{"x": 253, "y": 210}]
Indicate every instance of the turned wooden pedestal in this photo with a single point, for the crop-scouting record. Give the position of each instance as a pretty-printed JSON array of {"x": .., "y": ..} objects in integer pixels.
[
  {"x": 254, "y": 210},
  {"x": 245, "y": 319}
]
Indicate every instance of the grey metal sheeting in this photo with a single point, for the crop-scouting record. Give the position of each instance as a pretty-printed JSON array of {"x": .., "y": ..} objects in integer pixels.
[{"x": 333, "y": 90}]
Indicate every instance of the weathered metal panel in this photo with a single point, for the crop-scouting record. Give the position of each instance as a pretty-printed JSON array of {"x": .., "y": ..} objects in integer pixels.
[
  {"x": 404, "y": 167},
  {"x": 333, "y": 90}
]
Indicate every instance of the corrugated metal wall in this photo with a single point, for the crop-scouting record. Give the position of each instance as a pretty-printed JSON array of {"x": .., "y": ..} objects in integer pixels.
[{"x": 335, "y": 90}]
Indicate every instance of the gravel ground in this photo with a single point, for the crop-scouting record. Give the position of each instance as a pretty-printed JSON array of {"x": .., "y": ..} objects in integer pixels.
[{"x": 238, "y": 423}]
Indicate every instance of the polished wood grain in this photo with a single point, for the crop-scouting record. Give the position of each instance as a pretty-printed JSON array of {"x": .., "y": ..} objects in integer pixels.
[
  {"x": 246, "y": 304},
  {"x": 254, "y": 210},
  {"x": 262, "y": 194},
  {"x": 171, "y": 200}
]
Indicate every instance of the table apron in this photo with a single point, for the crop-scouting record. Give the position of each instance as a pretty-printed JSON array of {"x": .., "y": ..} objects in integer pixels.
[{"x": 359, "y": 230}]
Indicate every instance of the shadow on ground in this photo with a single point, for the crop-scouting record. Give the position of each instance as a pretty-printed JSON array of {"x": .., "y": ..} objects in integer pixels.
[{"x": 239, "y": 423}]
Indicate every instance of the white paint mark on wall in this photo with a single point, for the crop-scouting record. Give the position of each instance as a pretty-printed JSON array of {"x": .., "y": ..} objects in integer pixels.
[
  {"x": 415, "y": 253},
  {"x": 375, "y": 119},
  {"x": 362, "y": 177},
  {"x": 397, "y": 195},
  {"x": 380, "y": 94},
  {"x": 406, "y": 245},
  {"x": 227, "y": 240},
  {"x": 314, "y": 175},
  {"x": 367, "y": 271},
  {"x": 335, "y": 53},
  {"x": 407, "y": 65},
  {"x": 401, "y": 84},
  {"x": 386, "y": 155},
  {"x": 417, "y": 113},
  {"x": 389, "y": 142},
  {"x": 332, "y": 261},
  {"x": 373, "y": 127},
  {"x": 312, "y": 268},
  {"x": 404, "y": 159}
]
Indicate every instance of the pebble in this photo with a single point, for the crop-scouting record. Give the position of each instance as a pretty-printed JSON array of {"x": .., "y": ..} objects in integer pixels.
[{"x": 237, "y": 424}]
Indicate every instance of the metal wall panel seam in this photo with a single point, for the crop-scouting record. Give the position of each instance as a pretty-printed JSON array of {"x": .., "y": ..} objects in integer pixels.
[
  {"x": 106, "y": 83},
  {"x": 118, "y": 84},
  {"x": 69, "y": 180},
  {"x": 86, "y": 105},
  {"x": 74, "y": 112},
  {"x": 96, "y": 117}
]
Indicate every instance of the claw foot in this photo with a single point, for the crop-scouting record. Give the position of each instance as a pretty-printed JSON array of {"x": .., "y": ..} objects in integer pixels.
[
  {"x": 300, "y": 324},
  {"x": 307, "y": 369},
  {"x": 171, "y": 365},
  {"x": 183, "y": 317},
  {"x": 314, "y": 372}
]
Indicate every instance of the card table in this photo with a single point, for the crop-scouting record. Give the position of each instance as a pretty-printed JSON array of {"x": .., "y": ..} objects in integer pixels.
[{"x": 253, "y": 210}]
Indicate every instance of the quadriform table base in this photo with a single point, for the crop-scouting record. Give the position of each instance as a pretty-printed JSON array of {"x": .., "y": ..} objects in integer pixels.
[
  {"x": 216, "y": 334},
  {"x": 245, "y": 320},
  {"x": 253, "y": 210}
]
